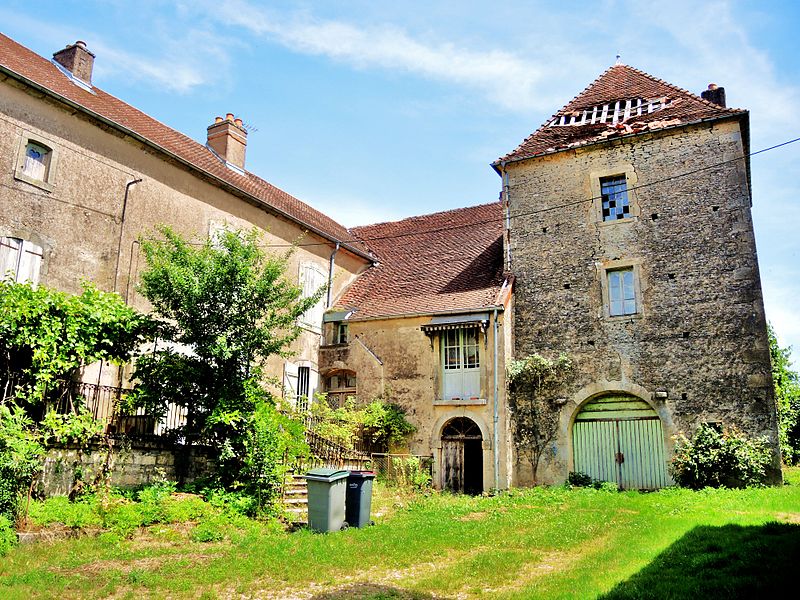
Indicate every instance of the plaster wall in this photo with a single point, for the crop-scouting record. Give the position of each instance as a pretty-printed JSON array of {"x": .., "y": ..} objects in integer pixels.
[
  {"x": 79, "y": 221},
  {"x": 696, "y": 349}
]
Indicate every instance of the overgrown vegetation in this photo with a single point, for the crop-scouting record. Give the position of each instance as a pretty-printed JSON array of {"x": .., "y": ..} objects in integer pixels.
[
  {"x": 543, "y": 542},
  {"x": 20, "y": 458},
  {"x": 533, "y": 386},
  {"x": 381, "y": 425},
  {"x": 786, "y": 383},
  {"x": 47, "y": 336},
  {"x": 229, "y": 306},
  {"x": 717, "y": 457}
]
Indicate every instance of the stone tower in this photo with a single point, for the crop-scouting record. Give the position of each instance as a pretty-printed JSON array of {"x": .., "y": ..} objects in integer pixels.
[{"x": 629, "y": 231}]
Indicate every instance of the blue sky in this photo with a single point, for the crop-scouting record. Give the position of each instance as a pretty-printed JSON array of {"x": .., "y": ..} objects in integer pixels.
[{"x": 373, "y": 111}]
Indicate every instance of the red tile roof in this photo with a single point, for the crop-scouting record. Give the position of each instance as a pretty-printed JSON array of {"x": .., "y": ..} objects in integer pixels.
[
  {"x": 445, "y": 262},
  {"x": 663, "y": 105},
  {"x": 17, "y": 60}
]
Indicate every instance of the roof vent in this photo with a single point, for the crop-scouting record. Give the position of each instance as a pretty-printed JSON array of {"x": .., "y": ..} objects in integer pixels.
[
  {"x": 227, "y": 138},
  {"x": 77, "y": 59},
  {"x": 611, "y": 113},
  {"x": 715, "y": 94}
]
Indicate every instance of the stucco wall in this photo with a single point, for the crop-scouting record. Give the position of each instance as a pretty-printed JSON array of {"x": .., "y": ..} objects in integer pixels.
[
  {"x": 410, "y": 375},
  {"x": 699, "y": 337},
  {"x": 79, "y": 222}
]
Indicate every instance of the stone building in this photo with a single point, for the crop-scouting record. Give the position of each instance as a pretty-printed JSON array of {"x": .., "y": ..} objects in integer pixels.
[
  {"x": 85, "y": 175},
  {"x": 630, "y": 236},
  {"x": 426, "y": 328}
]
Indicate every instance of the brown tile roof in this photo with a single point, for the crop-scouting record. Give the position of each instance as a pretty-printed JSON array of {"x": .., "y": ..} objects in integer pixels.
[
  {"x": 35, "y": 69},
  {"x": 445, "y": 262},
  {"x": 663, "y": 105}
]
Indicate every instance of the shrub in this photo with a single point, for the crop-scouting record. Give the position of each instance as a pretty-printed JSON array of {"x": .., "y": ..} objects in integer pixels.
[
  {"x": 578, "y": 479},
  {"x": 717, "y": 457},
  {"x": 8, "y": 537},
  {"x": 20, "y": 457}
]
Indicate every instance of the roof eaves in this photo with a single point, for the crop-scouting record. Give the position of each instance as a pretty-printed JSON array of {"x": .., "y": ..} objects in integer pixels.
[
  {"x": 428, "y": 313},
  {"x": 143, "y": 140},
  {"x": 505, "y": 160}
]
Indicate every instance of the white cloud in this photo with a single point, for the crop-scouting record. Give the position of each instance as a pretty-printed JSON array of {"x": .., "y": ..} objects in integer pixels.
[{"x": 504, "y": 77}]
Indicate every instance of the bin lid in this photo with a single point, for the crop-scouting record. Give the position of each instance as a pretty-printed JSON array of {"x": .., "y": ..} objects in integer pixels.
[
  {"x": 322, "y": 474},
  {"x": 362, "y": 475}
]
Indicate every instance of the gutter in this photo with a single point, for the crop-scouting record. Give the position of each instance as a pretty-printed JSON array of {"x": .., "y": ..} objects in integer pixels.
[{"x": 217, "y": 180}]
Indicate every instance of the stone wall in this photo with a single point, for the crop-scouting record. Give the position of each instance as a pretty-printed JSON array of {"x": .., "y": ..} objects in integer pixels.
[
  {"x": 696, "y": 349},
  {"x": 130, "y": 466}
]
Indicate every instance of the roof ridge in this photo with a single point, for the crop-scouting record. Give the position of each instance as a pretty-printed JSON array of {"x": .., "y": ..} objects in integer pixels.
[{"x": 354, "y": 230}]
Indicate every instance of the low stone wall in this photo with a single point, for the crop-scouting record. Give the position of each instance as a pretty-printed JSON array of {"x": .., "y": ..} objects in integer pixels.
[{"x": 130, "y": 465}]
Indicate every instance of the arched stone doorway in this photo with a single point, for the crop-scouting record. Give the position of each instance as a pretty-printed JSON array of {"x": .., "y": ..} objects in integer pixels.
[
  {"x": 462, "y": 456},
  {"x": 619, "y": 438}
]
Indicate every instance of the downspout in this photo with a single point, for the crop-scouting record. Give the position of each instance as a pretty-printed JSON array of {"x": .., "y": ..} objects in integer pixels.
[
  {"x": 496, "y": 416},
  {"x": 507, "y": 206},
  {"x": 330, "y": 274},
  {"x": 122, "y": 228}
]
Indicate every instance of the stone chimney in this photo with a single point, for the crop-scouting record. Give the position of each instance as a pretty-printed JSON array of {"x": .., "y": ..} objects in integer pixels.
[
  {"x": 77, "y": 60},
  {"x": 228, "y": 138},
  {"x": 715, "y": 94}
]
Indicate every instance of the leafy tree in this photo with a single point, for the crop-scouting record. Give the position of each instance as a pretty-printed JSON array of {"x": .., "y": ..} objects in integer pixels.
[
  {"x": 230, "y": 306},
  {"x": 47, "y": 335},
  {"x": 787, "y": 397},
  {"x": 533, "y": 383}
]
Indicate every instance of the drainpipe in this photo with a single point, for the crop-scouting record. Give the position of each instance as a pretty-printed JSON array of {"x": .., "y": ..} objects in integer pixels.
[
  {"x": 330, "y": 274},
  {"x": 507, "y": 206},
  {"x": 496, "y": 416},
  {"x": 122, "y": 228}
]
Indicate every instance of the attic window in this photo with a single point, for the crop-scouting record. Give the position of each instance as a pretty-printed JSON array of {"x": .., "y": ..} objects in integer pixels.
[
  {"x": 611, "y": 113},
  {"x": 35, "y": 163}
]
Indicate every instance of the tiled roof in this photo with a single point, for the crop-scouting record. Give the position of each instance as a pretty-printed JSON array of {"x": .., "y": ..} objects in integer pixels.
[
  {"x": 445, "y": 262},
  {"x": 35, "y": 69},
  {"x": 646, "y": 104}
]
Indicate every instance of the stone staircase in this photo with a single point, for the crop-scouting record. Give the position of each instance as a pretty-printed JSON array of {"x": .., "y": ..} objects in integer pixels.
[{"x": 295, "y": 497}]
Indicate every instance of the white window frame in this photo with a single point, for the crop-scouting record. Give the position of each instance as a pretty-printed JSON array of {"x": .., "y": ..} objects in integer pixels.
[
  {"x": 21, "y": 260},
  {"x": 461, "y": 376},
  {"x": 607, "y": 272},
  {"x": 22, "y": 173}
]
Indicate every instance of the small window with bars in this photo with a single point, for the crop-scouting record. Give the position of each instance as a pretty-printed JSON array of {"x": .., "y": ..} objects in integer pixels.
[
  {"x": 614, "y": 194},
  {"x": 303, "y": 388}
]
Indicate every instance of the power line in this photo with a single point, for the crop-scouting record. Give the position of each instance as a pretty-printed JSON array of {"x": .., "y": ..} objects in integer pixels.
[{"x": 537, "y": 211}]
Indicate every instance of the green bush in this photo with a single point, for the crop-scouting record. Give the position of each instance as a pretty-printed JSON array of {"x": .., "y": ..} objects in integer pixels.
[
  {"x": 578, "y": 479},
  {"x": 717, "y": 457},
  {"x": 20, "y": 457},
  {"x": 8, "y": 537}
]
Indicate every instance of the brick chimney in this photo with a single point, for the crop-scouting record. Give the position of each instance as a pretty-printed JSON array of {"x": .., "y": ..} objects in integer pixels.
[
  {"x": 228, "y": 138},
  {"x": 77, "y": 60},
  {"x": 715, "y": 94}
]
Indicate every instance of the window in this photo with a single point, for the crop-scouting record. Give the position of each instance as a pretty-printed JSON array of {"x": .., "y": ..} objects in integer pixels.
[
  {"x": 303, "y": 387},
  {"x": 35, "y": 162},
  {"x": 460, "y": 364},
  {"x": 20, "y": 260},
  {"x": 621, "y": 292},
  {"x": 341, "y": 333},
  {"x": 340, "y": 386},
  {"x": 311, "y": 280},
  {"x": 614, "y": 195}
]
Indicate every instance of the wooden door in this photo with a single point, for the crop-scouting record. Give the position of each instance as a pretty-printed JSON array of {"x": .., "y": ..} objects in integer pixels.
[
  {"x": 620, "y": 439},
  {"x": 453, "y": 465}
]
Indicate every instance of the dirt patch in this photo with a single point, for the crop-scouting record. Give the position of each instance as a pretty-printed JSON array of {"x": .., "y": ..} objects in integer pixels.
[
  {"x": 473, "y": 516},
  {"x": 788, "y": 517},
  {"x": 150, "y": 563}
]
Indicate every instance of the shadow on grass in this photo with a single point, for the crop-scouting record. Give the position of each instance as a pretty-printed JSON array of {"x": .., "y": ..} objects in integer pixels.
[
  {"x": 372, "y": 591},
  {"x": 727, "y": 562}
]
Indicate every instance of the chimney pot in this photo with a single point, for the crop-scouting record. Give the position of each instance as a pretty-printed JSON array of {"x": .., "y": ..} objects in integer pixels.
[
  {"x": 715, "y": 94},
  {"x": 228, "y": 139},
  {"x": 78, "y": 60}
]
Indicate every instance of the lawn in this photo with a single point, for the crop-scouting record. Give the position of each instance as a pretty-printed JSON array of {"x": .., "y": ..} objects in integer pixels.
[{"x": 536, "y": 543}]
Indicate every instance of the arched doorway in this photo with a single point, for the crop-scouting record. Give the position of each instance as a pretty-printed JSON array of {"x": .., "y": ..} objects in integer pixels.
[
  {"x": 619, "y": 438},
  {"x": 462, "y": 456}
]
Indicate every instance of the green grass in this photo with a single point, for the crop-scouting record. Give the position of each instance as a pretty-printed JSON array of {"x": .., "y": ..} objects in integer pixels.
[{"x": 537, "y": 543}]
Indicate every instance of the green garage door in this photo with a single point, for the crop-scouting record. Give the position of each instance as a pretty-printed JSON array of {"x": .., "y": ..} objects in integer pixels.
[{"x": 619, "y": 439}]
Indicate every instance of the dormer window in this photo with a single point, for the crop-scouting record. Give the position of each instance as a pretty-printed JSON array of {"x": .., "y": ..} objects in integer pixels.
[{"x": 611, "y": 113}]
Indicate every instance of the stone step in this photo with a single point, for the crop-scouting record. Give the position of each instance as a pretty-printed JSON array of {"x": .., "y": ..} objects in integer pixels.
[
  {"x": 296, "y": 492},
  {"x": 295, "y": 501}
]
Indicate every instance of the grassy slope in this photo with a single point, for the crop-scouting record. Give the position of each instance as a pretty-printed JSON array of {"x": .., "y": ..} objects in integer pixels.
[{"x": 540, "y": 543}]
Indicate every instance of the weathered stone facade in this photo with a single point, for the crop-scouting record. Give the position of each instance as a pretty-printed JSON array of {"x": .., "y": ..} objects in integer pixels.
[{"x": 696, "y": 349}]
